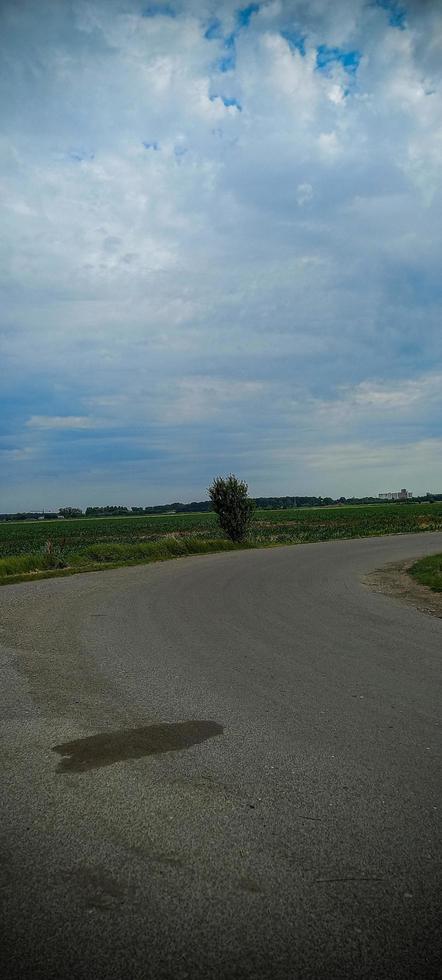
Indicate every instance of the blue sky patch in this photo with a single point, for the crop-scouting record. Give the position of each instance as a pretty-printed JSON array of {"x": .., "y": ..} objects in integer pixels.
[
  {"x": 159, "y": 10},
  {"x": 326, "y": 56},
  {"x": 227, "y": 62},
  {"x": 151, "y": 146},
  {"x": 227, "y": 101},
  {"x": 397, "y": 13},
  {"x": 295, "y": 40},
  {"x": 245, "y": 15},
  {"x": 214, "y": 30},
  {"x": 79, "y": 155}
]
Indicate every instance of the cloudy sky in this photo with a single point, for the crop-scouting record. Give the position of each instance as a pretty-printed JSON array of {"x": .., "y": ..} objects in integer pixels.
[{"x": 221, "y": 248}]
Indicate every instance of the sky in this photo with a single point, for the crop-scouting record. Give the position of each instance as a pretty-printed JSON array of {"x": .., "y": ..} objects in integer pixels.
[{"x": 221, "y": 248}]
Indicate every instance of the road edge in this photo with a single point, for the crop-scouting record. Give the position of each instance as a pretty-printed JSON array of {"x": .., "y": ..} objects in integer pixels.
[{"x": 395, "y": 581}]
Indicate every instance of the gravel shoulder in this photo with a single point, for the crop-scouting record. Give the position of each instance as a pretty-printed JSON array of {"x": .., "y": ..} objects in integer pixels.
[{"x": 394, "y": 580}]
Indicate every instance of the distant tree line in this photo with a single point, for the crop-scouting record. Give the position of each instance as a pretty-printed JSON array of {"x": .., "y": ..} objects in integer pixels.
[
  {"x": 29, "y": 516},
  {"x": 203, "y": 506},
  {"x": 176, "y": 508}
]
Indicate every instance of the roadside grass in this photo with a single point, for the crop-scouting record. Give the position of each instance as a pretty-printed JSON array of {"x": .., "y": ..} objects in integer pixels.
[
  {"x": 428, "y": 571},
  {"x": 23, "y": 568}
]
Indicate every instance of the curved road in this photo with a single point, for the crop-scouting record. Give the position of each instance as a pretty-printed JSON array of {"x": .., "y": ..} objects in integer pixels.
[{"x": 224, "y": 766}]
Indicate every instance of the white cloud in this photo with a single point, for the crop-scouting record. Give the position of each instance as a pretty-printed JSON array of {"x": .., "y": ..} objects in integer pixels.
[
  {"x": 329, "y": 146},
  {"x": 304, "y": 193},
  {"x": 18, "y": 454},
  {"x": 197, "y": 399},
  {"x": 403, "y": 398},
  {"x": 61, "y": 422}
]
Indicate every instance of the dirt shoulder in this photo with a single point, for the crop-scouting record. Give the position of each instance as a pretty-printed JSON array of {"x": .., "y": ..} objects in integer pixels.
[{"x": 394, "y": 580}]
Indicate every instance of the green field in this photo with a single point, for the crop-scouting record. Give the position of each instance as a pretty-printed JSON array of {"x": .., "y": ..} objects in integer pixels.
[
  {"x": 428, "y": 571},
  {"x": 30, "y": 546},
  {"x": 269, "y": 526}
]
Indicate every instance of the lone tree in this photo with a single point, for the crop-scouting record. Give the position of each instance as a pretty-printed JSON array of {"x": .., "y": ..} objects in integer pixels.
[{"x": 233, "y": 506}]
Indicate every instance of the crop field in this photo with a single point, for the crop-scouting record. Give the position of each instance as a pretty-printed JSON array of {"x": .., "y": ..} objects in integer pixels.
[
  {"x": 269, "y": 526},
  {"x": 22, "y": 538},
  {"x": 47, "y": 547}
]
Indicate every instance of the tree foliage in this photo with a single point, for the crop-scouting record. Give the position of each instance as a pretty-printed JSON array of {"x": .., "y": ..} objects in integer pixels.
[{"x": 232, "y": 505}]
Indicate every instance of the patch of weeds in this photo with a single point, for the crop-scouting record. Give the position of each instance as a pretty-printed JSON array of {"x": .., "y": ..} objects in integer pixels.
[
  {"x": 428, "y": 571},
  {"x": 54, "y": 555},
  {"x": 52, "y": 561}
]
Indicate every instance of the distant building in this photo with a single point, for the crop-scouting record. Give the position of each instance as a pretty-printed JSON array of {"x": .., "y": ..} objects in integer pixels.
[{"x": 396, "y": 495}]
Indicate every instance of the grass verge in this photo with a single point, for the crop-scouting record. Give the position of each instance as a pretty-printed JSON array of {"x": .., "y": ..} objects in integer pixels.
[
  {"x": 428, "y": 571},
  {"x": 96, "y": 557}
]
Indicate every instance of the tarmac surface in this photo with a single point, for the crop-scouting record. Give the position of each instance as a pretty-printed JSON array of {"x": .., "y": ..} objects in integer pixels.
[{"x": 225, "y": 766}]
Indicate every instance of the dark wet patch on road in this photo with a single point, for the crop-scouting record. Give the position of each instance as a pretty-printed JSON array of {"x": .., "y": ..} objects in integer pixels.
[{"x": 106, "y": 748}]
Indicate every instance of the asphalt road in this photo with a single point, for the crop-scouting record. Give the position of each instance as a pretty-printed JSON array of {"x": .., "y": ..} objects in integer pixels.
[{"x": 223, "y": 766}]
